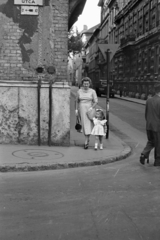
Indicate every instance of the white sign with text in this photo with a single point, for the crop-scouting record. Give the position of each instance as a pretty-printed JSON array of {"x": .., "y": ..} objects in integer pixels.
[
  {"x": 29, "y": 2},
  {"x": 29, "y": 10}
]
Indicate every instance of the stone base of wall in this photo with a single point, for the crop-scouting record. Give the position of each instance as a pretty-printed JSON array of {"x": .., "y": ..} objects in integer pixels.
[{"x": 27, "y": 119}]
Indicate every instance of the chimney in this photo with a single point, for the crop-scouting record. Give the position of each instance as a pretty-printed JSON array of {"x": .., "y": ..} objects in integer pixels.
[{"x": 85, "y": 28}]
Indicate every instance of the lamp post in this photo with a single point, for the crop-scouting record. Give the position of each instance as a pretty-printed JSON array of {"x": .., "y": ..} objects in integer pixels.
[{"x": 107, "y": 92}]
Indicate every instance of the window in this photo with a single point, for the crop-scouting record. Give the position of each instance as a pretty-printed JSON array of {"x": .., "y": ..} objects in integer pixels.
[
  {"x": 140, "y": 22},
  {"x": 126, "y": 25},
  {"x": 149, "y": 60},
  {"x": 156, "y": 62},
  {"x": 142, "y": 62},
  {"x": 135, "y": 24},
  {"x": 146, "y": 19},
  {"x": 137, "y": 56},
  {"x": 158, "y": 14},
  {"x": 131, "y": 24},
  {"x": 152, "y": 14}
]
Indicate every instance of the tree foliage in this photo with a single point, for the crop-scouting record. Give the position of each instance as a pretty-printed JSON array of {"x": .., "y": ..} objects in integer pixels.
[{"x": 75, "y": 43}]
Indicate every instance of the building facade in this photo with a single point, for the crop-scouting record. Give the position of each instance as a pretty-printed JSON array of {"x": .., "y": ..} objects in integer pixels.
[
  {"x": 133, "y": 27},
  {"x": 101, "y": 40},
  {"x": 137, "y": 62},
  {"x": 92, "y": 54},
  {"x": 34, "y": 92}
]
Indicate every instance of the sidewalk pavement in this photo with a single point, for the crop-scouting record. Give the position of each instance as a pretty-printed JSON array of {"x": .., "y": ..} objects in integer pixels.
[
  {"x": 36, "y": 158},
  {"x": 139, "y": 101}
]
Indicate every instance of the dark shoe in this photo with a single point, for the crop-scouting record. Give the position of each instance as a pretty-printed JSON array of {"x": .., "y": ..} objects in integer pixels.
[
  {"x": 86, "y": 145},
  {"x": 143, "y": 158}
]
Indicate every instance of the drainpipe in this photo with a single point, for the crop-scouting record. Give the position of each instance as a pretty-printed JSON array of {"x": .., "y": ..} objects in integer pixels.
[
  {"x": 107, "y": 93},
  {"x": 39, "y": 112},
  {"x": 39, "y": 71},
  {"x": 50, "y": 114}
]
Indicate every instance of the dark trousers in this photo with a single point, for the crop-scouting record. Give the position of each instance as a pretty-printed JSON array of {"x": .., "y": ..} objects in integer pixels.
[{"x": 153, "y": 142}]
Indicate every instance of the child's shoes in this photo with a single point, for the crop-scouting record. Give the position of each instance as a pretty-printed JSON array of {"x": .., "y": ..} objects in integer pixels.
[
  {"x": 101, "y": 146},
  {"x": 96, "y": 146}
]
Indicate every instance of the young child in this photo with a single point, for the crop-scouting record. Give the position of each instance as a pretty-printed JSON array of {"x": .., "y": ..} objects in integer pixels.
[{"x": 98, "y": 129}]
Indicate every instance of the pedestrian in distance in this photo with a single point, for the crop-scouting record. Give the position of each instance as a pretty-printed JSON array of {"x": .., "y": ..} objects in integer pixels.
[
  {"x": 124, "y": 90},
  {"x": 86, "y": 100},
  {"x": 99, "y": 128},
  {"x": 152, "y": 116},
  {"x": 120, "y": 91}
]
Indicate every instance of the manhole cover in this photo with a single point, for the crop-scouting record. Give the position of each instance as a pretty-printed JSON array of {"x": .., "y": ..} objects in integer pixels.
[{"x": 36, "y": 154}]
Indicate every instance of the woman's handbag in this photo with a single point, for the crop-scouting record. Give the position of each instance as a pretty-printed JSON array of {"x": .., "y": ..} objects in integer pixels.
[
  {"x": 91, "y": 113},
  {"x": 78, "y": 126}
]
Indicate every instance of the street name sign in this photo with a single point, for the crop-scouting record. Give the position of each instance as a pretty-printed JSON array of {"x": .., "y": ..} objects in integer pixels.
[
  {"x": 29, "y": 2},
  {"x": 29, "y": 10}
]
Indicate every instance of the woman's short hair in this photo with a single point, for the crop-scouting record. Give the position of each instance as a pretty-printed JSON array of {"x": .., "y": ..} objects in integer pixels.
[{"x": 86, "y": 79}]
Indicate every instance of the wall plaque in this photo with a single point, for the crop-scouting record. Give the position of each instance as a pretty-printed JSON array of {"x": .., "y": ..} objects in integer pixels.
[
  {"x": 29, "y": 10},
  {"x": 29, "y": 2}
]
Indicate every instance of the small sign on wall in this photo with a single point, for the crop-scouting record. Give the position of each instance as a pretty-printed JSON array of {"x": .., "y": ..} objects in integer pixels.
[
  {"x": 29, "y": 10},
  {"x": 29, "y": 2}
]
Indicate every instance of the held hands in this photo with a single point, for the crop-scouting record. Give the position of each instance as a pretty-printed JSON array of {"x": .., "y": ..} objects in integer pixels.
[
  {"x": 90, "y": 109},
  {"x": 76, "y": 112}
]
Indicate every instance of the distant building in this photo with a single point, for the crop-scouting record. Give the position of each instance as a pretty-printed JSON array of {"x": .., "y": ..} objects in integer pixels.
[
  {"x": 78, "y": 62},
  {"x": 87, "y": 33},
  {"x": 101, "y": 40},
  {"x": 137, "y": 62},
  {"x": 134, "y": 26},
  {"x": 86, "y": 36}
]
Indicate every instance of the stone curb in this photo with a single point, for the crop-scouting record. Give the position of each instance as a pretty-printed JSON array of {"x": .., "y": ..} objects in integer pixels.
[
  {"x": 130, "y": 100},
  {"x": 56, "y": 166}
]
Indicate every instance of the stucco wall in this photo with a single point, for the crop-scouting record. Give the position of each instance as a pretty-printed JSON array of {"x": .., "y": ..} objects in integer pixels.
[
  {"x": 28, "y": 41},
  {"x": 19, "y": 113}
]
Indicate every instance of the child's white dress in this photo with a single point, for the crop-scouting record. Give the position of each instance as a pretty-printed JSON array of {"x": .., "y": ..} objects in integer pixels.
[{"x": 98, "y": 128}]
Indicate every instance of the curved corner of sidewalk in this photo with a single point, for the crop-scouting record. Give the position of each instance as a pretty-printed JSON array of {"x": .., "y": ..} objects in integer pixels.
[
  {"x": 31, "y": 158},
  {"x": 70, "y": 159}
]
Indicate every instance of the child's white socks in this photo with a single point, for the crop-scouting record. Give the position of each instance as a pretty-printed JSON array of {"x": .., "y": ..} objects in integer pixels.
[
  {"x": 96, "y": 146},
  {"x": 101, "y": 146}
]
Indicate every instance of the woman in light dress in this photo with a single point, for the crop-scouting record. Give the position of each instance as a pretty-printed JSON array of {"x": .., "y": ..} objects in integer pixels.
[{"x": 86, "y": 99}]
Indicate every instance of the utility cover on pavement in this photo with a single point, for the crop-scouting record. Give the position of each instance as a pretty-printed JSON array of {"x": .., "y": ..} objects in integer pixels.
[{"x": 37, "y": 154}]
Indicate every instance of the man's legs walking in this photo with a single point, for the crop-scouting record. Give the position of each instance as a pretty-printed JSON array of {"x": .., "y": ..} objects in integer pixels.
[
  {"x": 149, "y": 146},
  {"x": 157, "y": 148}
]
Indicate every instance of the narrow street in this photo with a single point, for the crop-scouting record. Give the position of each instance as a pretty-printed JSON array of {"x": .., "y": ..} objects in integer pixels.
[
  {"x": 127, "y": 120},
  {"x": 54, "y": 183},
  {"x": 128, "y": 112},
  {"x": 117, "y": 201}
]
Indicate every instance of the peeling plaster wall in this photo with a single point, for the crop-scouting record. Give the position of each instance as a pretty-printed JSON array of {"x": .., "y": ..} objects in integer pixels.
[
  {"x": 28, "y": 41},
  {"x": 44, "y": 102},
  {"x": 61, "y": 119},
  {"x": 27, "y": 125},
  {"x": 19, "y": 114},
  {"x": 8, "y": 114}
]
